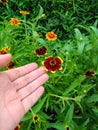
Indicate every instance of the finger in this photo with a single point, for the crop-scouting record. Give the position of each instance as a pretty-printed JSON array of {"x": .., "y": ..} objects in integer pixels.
[
  {"x": 30, "y": 88},
  {"x": 24, "y": 80},
  {"x": 20, "y": 71},
  {"x": 29, "y": 101},
  {"x": 5, "y": 59}
]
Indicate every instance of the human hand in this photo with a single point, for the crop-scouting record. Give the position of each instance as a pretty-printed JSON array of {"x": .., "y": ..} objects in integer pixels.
[{"x": 20, "y": 88}]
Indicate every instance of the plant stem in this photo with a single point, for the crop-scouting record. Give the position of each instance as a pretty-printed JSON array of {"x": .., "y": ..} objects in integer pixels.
[
  {"x": 63, "y": 69},
  {"x": 63, "y": 98},
  {"x": 31, "y": 111}
]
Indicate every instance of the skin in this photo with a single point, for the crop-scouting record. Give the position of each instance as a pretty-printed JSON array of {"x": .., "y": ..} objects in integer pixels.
[{"x": 20, "y": 88}]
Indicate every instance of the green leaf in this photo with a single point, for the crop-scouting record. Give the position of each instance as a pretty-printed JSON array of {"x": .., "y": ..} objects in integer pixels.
[
  {"x": 87, "y": 87},
  {"x": 78, "y": 34},
  {"x": 74, "y": 84},
  {"x": 84, "y": 124},
  {"x": 57, "y": 125},
  {"x": 95, "y": 60},
  {"x": 41, "y": 41},
  {"x": 95, "y": 110},
  {"x": 95, "y": 30},
  {"x": 93, "y": 98},
  {"x": 39, "y": 105},
  {"x": 27, "y": 116},
  {"x": 69, "y": 115},
  {"x": 81, "y": 40},
  {"x": 39, "y": 14}
]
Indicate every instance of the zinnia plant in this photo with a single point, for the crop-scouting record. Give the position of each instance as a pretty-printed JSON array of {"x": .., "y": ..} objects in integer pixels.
[{"x": 61, "y": 36}]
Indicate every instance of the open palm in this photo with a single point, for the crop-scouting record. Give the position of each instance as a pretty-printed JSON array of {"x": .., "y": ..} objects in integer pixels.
[{"x": 20, "y": 88}]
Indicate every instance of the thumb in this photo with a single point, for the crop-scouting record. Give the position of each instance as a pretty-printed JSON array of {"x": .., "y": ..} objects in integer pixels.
[{"x": 5, "y": 59}]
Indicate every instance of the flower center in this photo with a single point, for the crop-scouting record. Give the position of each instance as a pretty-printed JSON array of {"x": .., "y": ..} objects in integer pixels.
[
  {"x": 41, "y": 50},
  {"x": 15, "y": 21},
  {"x": 51, "y": 35},
  {"x": 53, "y": 62},
  {"x": 36, "y": 118}
]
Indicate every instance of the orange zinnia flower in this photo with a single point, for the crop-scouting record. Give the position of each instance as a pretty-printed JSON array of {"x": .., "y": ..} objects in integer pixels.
[
  {"x": 15, "y": 21},
  {"x": 53, "y": 64},
  {"x": 17, "y": 127},
  {"x": 51, "y": 36},
  {"x": 24, "y": 12}
]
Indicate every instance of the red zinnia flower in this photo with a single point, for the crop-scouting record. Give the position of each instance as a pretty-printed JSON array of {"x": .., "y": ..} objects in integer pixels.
[
  {"x": 41, "y": 51},
  {"x": 17, "y": 127},
  {"x": 11, "y": 65},
  {"x": 89, "y": 73},
  {"x": 53, "y": 64}
]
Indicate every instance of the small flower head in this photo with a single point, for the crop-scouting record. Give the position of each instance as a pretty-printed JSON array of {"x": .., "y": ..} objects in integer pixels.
[
  {"x": 15, "y": 22},
  {"x": 53, "y": 64},
  {"x": 5, "y": 2},
  {"x": 81, "y": 39},
  {"x": 4, "y": 50},
  {"x": 41, "y": 51},
  {"x": 89, "y": 73},
  {"x": 11, "y": 65},
  {"x": 24, "y": 12},
  {"x": 43, "y": 15},
  {"x": 51, "y": 36},
  {"x": 85, "y": 91},
  {"x": 67, "y": 127},
  {"x": 70, "y": 3},
  {"x": 17, "y": 127},
  {"x": 35, "y": 118}
]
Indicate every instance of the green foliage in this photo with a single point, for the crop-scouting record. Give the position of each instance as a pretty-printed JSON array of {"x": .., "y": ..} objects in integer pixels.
[{"x": 70, "y": 100}]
